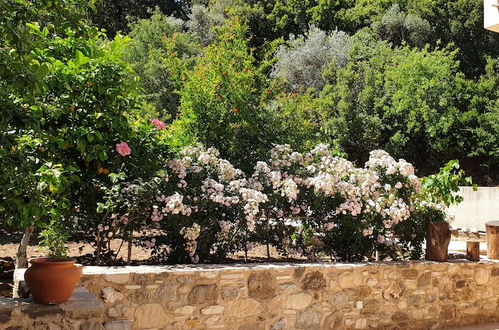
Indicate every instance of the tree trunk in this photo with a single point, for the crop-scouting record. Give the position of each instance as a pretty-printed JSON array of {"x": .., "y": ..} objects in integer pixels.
[
  {"x": 21, "y": 256},
  {"x": 268, "y": 236},
  {"x": 437, "y": 241},
  {"x": 492, "y": 239},
  {"x": 473, "y": 250},
  {"x": 22, "y": 261}
]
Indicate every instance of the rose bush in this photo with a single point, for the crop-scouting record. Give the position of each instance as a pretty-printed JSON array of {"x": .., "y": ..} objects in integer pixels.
[{"x": 315, "y": 204}]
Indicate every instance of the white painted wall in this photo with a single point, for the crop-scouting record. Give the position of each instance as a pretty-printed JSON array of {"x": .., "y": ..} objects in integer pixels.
[
  {"x": 490, "y": 15},
  {"x": 478, "y": 207}
]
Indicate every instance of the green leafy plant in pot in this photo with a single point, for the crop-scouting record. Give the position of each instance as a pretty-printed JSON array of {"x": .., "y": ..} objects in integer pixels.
[
  {"x": 52, "y": 279},
  {"x": 440, "y": 191}
]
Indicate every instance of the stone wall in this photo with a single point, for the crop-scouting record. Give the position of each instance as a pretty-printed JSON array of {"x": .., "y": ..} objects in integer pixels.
[{"x": 398, "y": 295}]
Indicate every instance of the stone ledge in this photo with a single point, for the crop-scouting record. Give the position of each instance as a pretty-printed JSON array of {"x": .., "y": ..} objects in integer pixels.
[
  {"x": 146, "y": 269},
  {"x": 24, "y": 313}
]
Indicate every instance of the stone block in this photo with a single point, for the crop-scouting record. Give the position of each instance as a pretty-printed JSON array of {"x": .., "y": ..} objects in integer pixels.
[
  {"x": 210, "y": 310},
  {"x": 244, "y": 307},
  {"x": 481, "y": 276},
  {"x": 230, "y": 292},
  {"x": 92, "y": 325},
  {"x": 309, "y": 319},
  {"x": 117, "y": 278},
  {"x": 117, "y": 325},
  {"x": 82, "y": 304},
  {"x": 424, "y": 280},
  {"x": 120, "y": 311},
  {"x": 111, "y": 295},
  {"x": 261, "y": 285},
  {"x": 313, "y": 281},
  {"x": 297, "y": 301},
  {"x": 280, "y": 324},
  {"x": 150, "y": 316},
  {"x": 361, "y": 324},
  {"x": 203, "y": 294},
  {"x": 410, "y": 273},
  {"x": 394, "y": 291},
  {"x": 351, "y": 280},
  {"x": 185, "y": 310}
]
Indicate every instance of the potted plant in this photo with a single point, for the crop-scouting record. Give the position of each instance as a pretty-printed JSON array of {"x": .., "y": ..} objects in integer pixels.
[
  {"x": 437, "y": 236},
  {"x": 51, "y": 280},
  {"x": 441, "y": 191}
]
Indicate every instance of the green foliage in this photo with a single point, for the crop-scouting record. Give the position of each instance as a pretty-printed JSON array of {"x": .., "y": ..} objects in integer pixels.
[
  {"x": 397, "y": 27},
  {"x": 443, "y": 186},
  {"x": 221, "y": 101},
  {"x": 114, "y": 15},
  {"x": 151, "y": 41},
  {"x": 61, "y": 124},
  {"x": 391, "y": 98},
  {"x": 54, "y": 237}
]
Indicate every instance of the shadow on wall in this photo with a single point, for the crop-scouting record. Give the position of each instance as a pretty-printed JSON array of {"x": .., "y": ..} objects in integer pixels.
[{"x": 478, "y": 207}]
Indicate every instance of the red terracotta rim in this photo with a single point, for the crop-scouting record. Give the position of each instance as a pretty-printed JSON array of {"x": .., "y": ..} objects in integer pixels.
[{"x": 53, "y": 261}]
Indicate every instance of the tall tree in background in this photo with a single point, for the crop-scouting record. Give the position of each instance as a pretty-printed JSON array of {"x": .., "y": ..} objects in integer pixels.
[{"x": 114, "y": 15}]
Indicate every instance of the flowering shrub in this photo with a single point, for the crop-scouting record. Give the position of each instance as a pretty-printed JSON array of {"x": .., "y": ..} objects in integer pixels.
[
  {"x": 344, "y": 211},
  {"x": 315, "y": 204}
]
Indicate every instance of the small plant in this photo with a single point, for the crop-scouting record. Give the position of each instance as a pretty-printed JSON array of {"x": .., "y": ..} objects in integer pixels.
[
  {"x": 53, "y": 238},
  {"x": 443, "y": 186}
]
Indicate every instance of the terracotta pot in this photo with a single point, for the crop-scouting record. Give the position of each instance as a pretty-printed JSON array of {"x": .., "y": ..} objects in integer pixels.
[
  {"x": 437, "y": 241},
  {"x": 52, "y": 280}
]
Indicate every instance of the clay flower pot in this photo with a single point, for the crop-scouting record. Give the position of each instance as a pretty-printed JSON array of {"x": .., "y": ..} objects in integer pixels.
[
  {"x": 437, "y": 241},
  {"x": 52, "y": 280}
]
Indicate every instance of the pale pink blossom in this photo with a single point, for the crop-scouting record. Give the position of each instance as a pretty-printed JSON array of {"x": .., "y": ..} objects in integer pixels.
[
  {"x": 123, "y": 149},
  {"x": 158, "y": 123}
]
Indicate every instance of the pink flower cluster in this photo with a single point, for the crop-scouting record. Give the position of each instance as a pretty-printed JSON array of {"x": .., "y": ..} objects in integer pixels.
[
  {"x": 123, "y": 149},
  {"x": 158, "y": 124}
]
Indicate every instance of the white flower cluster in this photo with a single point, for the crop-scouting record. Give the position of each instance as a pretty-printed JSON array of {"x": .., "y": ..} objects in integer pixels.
[
  {"x": 173, "y": 205},
  {"x": 191, "y": 235},
  {"x": 291, "y": 185},
  {"x": 374, "y": 189},
  {"x": 211, "y": 180}
]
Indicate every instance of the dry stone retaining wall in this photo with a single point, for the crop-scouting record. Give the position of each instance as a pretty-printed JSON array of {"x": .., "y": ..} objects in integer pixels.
[{"x": 408, "y": 295}]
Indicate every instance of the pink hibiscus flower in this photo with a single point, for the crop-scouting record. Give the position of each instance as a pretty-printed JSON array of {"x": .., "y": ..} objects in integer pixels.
[
  {"x": 123, "y": 149},
  {"x": 158, "y": 123}
]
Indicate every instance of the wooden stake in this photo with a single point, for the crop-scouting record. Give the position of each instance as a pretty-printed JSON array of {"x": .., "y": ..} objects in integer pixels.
[
  {"x": 492, "y": 239},
  {"x": 473, "y": 250}
]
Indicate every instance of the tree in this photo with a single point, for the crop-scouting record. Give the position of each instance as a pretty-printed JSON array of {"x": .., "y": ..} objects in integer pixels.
[
  {"x": 302, "y": 62},
  {"x": 61, "y": 123},
  {"x": 146, "y": 53},
  {"x": 114, "y": 15},
  {"x": 413, "y": 103}
]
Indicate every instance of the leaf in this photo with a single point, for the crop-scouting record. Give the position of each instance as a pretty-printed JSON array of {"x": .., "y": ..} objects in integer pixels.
[
  {"x": 81, "y": 59},
  {"x": 103, "y": 155}
]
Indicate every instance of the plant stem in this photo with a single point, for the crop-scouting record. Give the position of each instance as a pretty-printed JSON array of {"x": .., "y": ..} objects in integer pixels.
[
  {"x": 98, "y": 249},
  {"x": 268, "y": 236},
  {"x": 21, "y": 255},
  {"x": 129, "y": 254}
]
